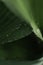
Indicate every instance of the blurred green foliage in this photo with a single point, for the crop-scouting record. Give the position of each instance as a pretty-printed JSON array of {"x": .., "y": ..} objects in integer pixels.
[{"x": 12, "y": 29}]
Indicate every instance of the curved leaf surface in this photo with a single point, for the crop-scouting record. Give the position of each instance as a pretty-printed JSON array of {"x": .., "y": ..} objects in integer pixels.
[{"x": 11, "y": 27}]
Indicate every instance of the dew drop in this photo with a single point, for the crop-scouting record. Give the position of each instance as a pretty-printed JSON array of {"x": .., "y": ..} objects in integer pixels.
[
  {"x": 18, "y": 26},
  {"x": 38, "y": 30},
  {"x": 7, "y": 35}
]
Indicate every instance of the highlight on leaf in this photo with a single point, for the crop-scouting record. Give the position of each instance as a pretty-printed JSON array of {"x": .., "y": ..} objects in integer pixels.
[{"x": 23, "y": 8}]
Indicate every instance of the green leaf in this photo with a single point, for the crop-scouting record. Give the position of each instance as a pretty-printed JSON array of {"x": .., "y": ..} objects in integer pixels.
[
  {"x": 23, "y": 7},
  {"x": 37, "y": 10},
  {"x": 11, "y": 27}
]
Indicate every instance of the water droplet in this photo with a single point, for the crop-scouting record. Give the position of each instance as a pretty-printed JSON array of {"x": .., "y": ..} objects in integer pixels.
[
  {"x": 2, "y": 43},
  {"x": 38, "y": 33},
  {"x": 18, "y": 26},
  {"x": 10, "y": 40},
  {"x": 37, "y": 30},
  {"x": 7, "y": 35}
]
